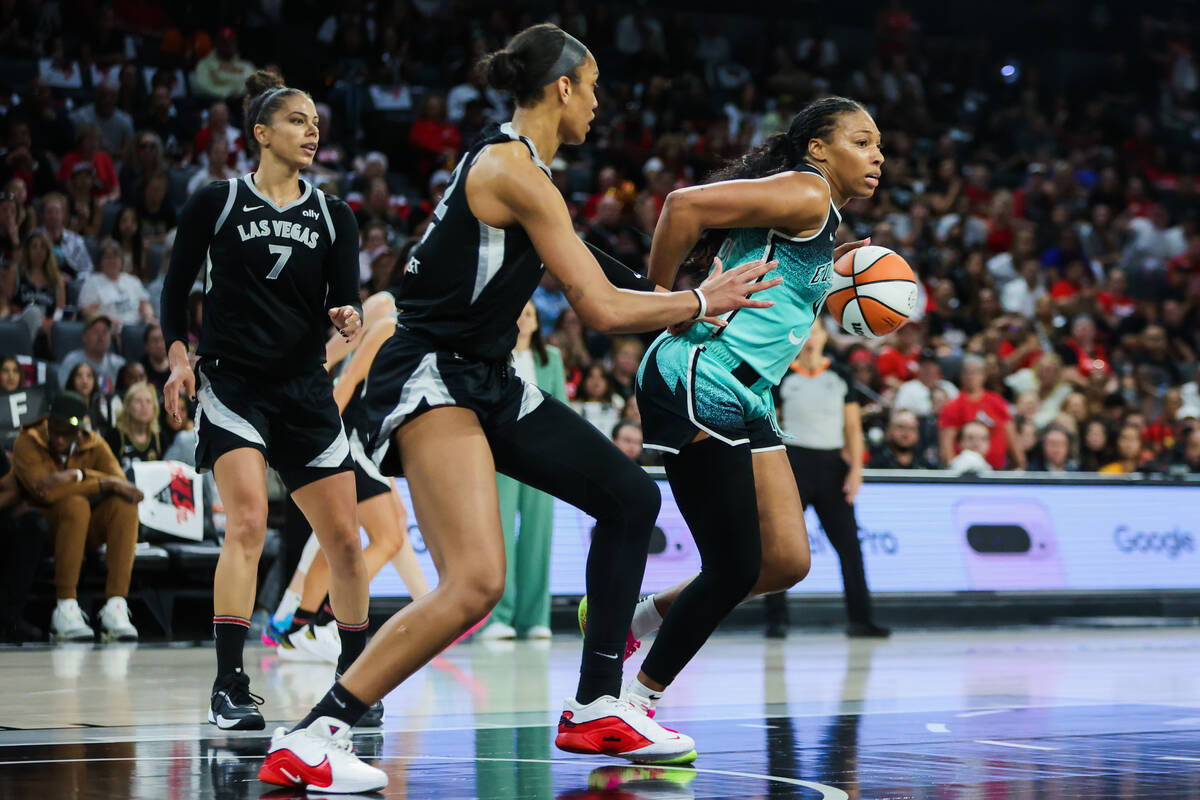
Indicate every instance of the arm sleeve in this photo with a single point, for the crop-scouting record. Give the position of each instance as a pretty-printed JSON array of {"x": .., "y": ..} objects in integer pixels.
[
  {"x": 192, "y": 239},
  {"x": 620, "y": 275},
  {"x": 341, "y": 269}
]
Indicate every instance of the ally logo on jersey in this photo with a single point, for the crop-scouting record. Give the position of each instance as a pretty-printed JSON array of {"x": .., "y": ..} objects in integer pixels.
[{"x": 280, "y": 229}]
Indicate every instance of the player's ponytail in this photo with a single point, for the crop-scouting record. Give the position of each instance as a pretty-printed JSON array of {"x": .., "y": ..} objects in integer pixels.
[
  {"x": 780, "y": 152},
  {"x": 265, "y": 93},
  {"x": 783, "y": 151},
  {"x": 533, "y": 58}
]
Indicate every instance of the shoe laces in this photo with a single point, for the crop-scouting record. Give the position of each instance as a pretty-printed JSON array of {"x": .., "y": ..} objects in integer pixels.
[
  {"x": 237, "y": 686},
  {"x": 341, "y": 741}
]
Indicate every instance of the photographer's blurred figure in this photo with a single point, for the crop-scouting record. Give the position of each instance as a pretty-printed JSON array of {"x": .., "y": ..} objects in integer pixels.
[
  {"x": 72, "y": 474},
  {"x": 820, "y": 411}
]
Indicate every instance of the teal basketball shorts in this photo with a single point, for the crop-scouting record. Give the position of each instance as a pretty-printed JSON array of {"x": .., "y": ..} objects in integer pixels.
[{"x": 683, "y": 390}]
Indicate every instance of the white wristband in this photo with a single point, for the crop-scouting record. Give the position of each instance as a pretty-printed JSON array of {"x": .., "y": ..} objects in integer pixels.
[{"x": 703, "y": 311}]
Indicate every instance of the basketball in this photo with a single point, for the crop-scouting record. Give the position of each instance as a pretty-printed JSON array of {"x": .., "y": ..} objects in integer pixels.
[{"x": 874, "y": 291}]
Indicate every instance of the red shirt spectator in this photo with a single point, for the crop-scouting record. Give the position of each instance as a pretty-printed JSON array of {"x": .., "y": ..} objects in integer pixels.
[
  {"x": 218, "y": 125},
  {"x": 977, "y": 404},
  {"x": 88, "y": 149},
  {"x": 1007, "y": 347},
  {"x": 897, "y": 364},
  {"x": 431, "y": 135},
  {"x": 1116, "y": 304},
  {"x": 1064, "y": 290}
]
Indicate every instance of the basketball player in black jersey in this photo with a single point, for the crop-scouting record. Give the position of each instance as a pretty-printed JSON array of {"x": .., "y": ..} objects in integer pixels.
[
  {"x": 448, "y": 409},
  {"x": 284, "y": 265}
]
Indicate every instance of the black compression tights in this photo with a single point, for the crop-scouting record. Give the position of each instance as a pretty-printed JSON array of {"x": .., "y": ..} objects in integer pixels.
[
  {"x": 557, "y": 451},
  {"x": 713, "y": 485}
]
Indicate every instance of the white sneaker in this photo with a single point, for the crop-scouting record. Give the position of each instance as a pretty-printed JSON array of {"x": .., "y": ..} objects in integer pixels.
[
  {"x": 496, "y": 631},
  {"x": 115, "y": 622},
  {"x": 322, "y": 757},
  {"x": 323, "y": 641},
  {"x": 68, "y": 623},
  {"x": 290, "y": 648},
  {"x": 608, "y": 726},
  {"x": 319, "y": 643},
  {"x": 538, "y": 632}
]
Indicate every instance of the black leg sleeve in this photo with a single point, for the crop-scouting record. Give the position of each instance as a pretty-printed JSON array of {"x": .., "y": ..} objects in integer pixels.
[
  {"x": 714, "y": 487},
  {"x": 555, "y": 450}
]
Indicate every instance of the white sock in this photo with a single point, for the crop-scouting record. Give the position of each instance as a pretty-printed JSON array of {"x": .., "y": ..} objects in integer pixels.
[
  {"x": 641, "y": 694},
  {"x": 287, "y": 606},
  {"x": 646, "y": 618},
  {"x": 70, "y": 601}
]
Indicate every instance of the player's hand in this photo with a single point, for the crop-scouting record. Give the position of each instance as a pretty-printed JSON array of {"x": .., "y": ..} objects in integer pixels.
[
  {"x": 346, "y": 320},
  {"x": 854, "y": 482},
  {"x": 842, "y": 249},
  {"x": 727, "y": 291},
  {"x": 680, "y": 328},
  {"x": 182, "y": 383}
]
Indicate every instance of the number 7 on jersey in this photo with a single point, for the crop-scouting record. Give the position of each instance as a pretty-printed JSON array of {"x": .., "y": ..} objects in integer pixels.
[{"x": 284, "y": 252}]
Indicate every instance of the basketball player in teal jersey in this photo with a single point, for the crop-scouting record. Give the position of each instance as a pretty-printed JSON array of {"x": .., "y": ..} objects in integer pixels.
[{"x": 704, "y": 390}]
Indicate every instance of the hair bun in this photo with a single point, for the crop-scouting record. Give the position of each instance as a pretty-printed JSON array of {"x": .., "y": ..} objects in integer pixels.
[
  {"x": 504, "y": 71},
  {"x": 261, "y": 81}
]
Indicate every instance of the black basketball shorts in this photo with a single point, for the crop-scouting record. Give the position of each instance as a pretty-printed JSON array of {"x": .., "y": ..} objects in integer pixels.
[
  {"x": 292, "y": 421},
  {"x": 409, "y": 377}
]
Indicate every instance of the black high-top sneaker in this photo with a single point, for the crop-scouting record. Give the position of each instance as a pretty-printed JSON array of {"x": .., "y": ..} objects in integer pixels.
[{"x": 234, "y": 707}]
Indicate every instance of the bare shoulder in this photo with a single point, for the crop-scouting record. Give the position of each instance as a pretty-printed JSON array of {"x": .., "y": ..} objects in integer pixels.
[
  {"x": 504, "y": 183},
  {"x": 804, "y": 187}
]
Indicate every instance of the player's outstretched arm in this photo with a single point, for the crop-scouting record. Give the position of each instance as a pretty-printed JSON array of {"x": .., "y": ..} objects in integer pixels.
[{"x": 510, "y": 189}]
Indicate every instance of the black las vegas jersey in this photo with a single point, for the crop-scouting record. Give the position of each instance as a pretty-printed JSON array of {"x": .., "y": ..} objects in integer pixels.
[
  {"x": 275, "y": 272},
  {"x": 465, "y": 282}
]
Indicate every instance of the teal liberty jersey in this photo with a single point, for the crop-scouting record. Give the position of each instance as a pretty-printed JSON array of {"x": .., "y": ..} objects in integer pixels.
[{"x": 769, "y": 339}]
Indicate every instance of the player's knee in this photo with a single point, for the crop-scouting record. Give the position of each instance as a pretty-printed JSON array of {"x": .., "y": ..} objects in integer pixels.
[
  {"x": 640, "y": 503},
  {"x": 344, "y": 552},
  {"x": 247, "y": 528},
  {"x": 389, "y": 539},
  {"x": 739, "y": 576},
  {"x": 786, "y": 572},
  {"x": 478, "y": 593}
]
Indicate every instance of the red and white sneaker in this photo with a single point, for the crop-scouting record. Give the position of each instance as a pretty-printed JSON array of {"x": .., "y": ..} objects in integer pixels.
[
  {"x": 612, "y": 727},
  {"x": 319, "y": 757}
]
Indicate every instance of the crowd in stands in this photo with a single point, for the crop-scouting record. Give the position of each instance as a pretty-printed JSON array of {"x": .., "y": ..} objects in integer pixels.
[
  {"x": 1050, "y": 211},
  {"x": 1052, "y": 218}
]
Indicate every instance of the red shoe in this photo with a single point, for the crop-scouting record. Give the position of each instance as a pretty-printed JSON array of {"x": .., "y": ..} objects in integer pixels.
[
  {"x": 319, "y": 757},
  {"x": 608, "y": 726}
]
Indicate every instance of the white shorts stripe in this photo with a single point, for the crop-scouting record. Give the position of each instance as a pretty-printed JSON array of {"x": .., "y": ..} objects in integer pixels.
[
  {"x": 359, "y": 455},
  {"x": 426, "y": 384},
  {"x": 335, "y": 453},
  {"x": 223, "y": 417}
]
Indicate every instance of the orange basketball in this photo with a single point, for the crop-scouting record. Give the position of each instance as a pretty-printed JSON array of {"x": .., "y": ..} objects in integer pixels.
[{"x": 874, "y": 292}]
